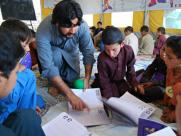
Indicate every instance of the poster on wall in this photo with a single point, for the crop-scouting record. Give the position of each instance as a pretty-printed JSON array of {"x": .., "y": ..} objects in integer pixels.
[
  {"x": 123, "y": 5},
  {"x": 108, "y": 6},
  {"x": 163, "y": 4},
  {"x": 86, "y": 5}
]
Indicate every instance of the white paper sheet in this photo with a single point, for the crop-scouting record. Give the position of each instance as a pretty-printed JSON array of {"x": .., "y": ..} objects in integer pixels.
[
  {"x": 65, "y": 125},
  {"x": 163, "y": 132},
  {"x": 96, "y": 115}
]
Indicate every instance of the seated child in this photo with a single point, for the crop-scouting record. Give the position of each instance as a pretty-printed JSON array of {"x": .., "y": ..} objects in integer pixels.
[
  {"x": 160, "y": 41},
  {"x": 154, "y": 79},
  {"x": 114, "y": 64},
  {"x": 172, "y": 58},
  {"x": 17, "y": 97},
  {"x": 23, "y": 33}
]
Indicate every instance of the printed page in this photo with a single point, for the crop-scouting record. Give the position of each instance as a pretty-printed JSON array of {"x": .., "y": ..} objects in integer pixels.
[
  {"x": 96, "y": 114},
  {"x": 65, "y": 125},
  {"x": 131, "y": 107},
  {"x": 92, "y": 97},
  {"x": 163, "y": 132}
]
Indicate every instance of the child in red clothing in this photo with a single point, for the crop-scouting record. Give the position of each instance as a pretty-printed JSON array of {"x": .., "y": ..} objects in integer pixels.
[{"x": 172, "y": 58}]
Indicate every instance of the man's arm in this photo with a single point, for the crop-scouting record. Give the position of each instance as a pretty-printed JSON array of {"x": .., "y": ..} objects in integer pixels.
[
  {"x": 88, "y": 71},
  {"x": 87, "y": 49},
  {"x": 45, "y": 54},
  {"x": 75, "y": 101}
]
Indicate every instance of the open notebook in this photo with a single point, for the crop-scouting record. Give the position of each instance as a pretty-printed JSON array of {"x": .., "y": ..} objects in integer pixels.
[
  {"x": 65, "y": 125},
  {"x": 130, "y": 106},
  {"x": 96, "y": 115}
]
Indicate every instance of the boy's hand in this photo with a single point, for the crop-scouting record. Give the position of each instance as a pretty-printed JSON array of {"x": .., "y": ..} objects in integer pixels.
[
  {"x": 168, "y": 116},
  {"x": 147, "y": 84},
  {"x": 140, "y": 89}
]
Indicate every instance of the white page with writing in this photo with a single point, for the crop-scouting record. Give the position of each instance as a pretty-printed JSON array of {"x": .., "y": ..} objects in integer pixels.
[
  {"x": 96, "y": 114},
  {"x": 65, "y": 125},
  {"x": 90, "y": 96},
  {"x": 163, "y": 132},
  {"x": 131, "y": 107}
]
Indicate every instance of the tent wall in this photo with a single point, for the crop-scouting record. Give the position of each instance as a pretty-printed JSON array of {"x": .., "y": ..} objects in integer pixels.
[{"x": 155, "y": 19}]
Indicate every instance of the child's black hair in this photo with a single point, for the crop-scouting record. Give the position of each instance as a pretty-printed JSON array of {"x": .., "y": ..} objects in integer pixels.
[
  {"x": 112, "y": 35},
  {"x": 161, "y": 29},
  {"x": 9, "y": 53},
  {"x": 18, "y": 28},
  {"x": 174, "y": 42}
]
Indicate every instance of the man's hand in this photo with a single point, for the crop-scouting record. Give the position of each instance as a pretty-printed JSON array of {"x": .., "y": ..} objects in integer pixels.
[{"x": 77, "y": 103}]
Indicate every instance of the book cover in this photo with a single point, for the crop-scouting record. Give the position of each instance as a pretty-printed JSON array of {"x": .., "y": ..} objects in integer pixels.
[{"x": 146, "y": 127}]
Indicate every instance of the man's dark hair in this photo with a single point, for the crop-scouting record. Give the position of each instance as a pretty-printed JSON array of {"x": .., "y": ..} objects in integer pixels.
[
  {"x": 144, "y": 28},
  {"x": 65, "y": 11},
  {"x": 112, "y": 35},
  {"x": 161, "y": 29},
  {"x": 10, "y": 52},
  {"x": 18, "y": 28},
  {"x": 128, "y": 29},
  {"x": 99, "y": 22},
  {"x": 174, "y": 42}
]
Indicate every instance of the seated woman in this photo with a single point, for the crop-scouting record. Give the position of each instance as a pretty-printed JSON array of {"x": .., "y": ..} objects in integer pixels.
[{"x": 114, "y": 64}]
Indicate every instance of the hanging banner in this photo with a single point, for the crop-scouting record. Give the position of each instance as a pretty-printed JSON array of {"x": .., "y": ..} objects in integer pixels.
[
  {"x": 163, "y": 4},
  {"x": 88, "y": 7},
  {"x": 108, "y": 6},
  {"x": 123, "y": 5}
]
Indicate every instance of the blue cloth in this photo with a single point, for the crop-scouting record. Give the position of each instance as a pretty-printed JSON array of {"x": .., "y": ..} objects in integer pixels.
[
  {"x": 26, "y": 60},
  {"x": 40, "y": 102},
  {"x": 23, "y": 96},
  {"x": 59, "y": 55}
]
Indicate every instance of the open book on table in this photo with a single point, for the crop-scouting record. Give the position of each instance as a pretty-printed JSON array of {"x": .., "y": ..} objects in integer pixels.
[
  {"x": 148, "y": 127},
  {"x": 96, "y": 115},
  {"x": 65, "y": 125},
  {"x": 129, "y": 106}
]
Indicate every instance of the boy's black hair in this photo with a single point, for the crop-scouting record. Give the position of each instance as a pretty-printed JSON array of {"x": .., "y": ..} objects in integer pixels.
[
  {"x": 161, "y": 29},
  {"x": 128, "y": 28},
  {"x": 144, "y": 28},
  {"x": 9, "y": 52},
  {"x": 99, "y": 22},
  {"x": 112, "y": 35},
  {"x": 174, "y": 42},
  {"x": 18, "y": 28},
  {"x": 65, "y": 11}
]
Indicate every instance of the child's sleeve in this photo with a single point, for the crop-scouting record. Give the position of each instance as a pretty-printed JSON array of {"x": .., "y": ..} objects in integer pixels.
[
  {"x": 130, "y": 73},
  {"x": 28, "y": 91},
  {"x": 108, "y": 88}
]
